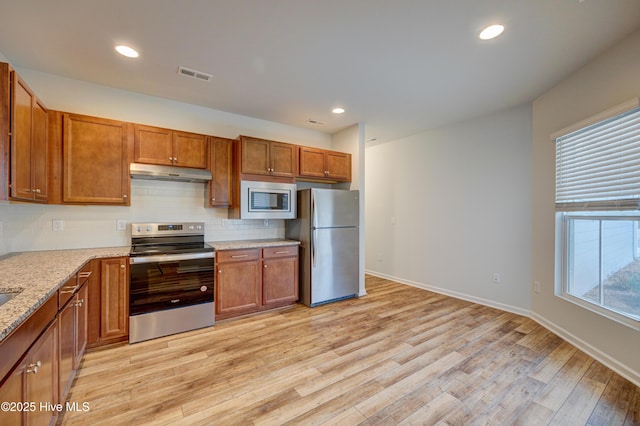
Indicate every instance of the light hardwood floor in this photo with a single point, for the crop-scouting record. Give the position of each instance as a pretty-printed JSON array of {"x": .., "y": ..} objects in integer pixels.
[{"x": 399, "y": 356}]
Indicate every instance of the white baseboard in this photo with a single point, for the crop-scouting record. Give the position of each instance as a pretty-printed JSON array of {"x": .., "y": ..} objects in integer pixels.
[{"x": 620, "y": 368}]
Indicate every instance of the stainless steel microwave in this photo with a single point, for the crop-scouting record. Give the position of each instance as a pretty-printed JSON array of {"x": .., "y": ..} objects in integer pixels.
[{"x": 267, "y": 200}]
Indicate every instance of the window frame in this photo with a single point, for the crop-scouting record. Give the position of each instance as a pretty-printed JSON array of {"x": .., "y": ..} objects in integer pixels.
[{"x": 562, "y": 290}]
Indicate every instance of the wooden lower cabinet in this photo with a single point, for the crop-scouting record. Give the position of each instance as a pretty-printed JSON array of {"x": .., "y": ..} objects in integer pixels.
[
  {"x": 33, "y": 383},
  {"x": 279, "y": 276},
  {"x": 72, "y": 337},
  {"x": 108, "y": 296},
  {"x": 238, "y": 283},
  {"x": 254, "y": 280}
]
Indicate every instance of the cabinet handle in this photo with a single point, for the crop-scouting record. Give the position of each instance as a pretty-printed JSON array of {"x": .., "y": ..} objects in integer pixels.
[
  {"x": 265, "y": 266},
  {"x": 122, "y": 266},
  {"x": 239, "y": 255},
  {"x": 84, "y": 274},
  {"x": 282, "y": 252},
  {"x": 33, "y": 368},
  {"x": 67, "y": 290},
  {"x": 124, "y": 196},
  {"x": 219, "y": 271},
  {"x": 79, "y": 302}
]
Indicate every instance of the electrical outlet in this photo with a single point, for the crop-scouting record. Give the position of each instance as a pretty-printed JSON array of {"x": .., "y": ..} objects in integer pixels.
[
  {"x": 58, "y": 225},
  {"x": 121, "y": 225},
  {"x": 497, "y": 278},
  {"x": 536, "y": 286}
]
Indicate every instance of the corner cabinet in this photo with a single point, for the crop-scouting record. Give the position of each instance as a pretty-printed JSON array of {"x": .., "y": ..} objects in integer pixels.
[
  {"x": 155, "y": 145},
  {"x": 319, "y": 164},
  {"x": 95, "y": 160},
  {"x": 254, "y": 280}
]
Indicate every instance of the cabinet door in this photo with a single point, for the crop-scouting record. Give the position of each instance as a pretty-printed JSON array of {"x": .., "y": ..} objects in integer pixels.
[
  {"x": 40, "y": 152},
  {"x": 280, "y": 281},
  {"x": 95, "y": 161},
  {"x": 255, "y": 156},
  {"x": 279, "y": 276},
  {"x": 283, "y": 159},
  {"x": 312, "y": 162},
  {"x": 12, "y": 390},
  {"x": 114, "y": 299},
  {"x": 82, "y": 317},
  {"x": 189, "y": 150},
  {"x": 66, "y": 346},
  {"x": 153, "y": 145},
  {"x": 22, "y": 100},
  {"x": 238, "y": 288},
  {"x": 41, "y": 380},
  {"x": 221, "y": 169},
  {"x": 338, "y": 166}
]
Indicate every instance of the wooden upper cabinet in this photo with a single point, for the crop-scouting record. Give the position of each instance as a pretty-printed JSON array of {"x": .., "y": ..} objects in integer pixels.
[
  {"x": 221, "y": 160},
  {"x": 95, "y": 163},
  {"x": 189, "y": 150},
  {"x": 268, "y": 158},
  {"x": 324, "y": 165},
  {"x": 155, "y": 145},
  {"x": 29, "y": 147}
]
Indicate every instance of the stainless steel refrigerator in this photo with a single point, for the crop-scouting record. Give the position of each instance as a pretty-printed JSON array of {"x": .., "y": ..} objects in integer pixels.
[{"x": 328, "y": 230}]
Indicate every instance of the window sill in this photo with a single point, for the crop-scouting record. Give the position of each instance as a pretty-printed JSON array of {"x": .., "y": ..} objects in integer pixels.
[{"x": 609, "y": 314}]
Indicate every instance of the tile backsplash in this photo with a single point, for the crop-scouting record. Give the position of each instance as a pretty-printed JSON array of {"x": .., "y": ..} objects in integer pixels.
[{"x": 30, "y": 227}]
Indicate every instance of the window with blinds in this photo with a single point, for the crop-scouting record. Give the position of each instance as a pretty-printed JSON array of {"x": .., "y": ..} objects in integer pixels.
[
  {"x": 597, "y": 200},
  {"x": 598, "y": 166}
]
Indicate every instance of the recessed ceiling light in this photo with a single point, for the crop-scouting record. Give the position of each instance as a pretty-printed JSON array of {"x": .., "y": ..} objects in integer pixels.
[
  {"x": 491, "y": 31},
  {"x": 338, "y": 110},
  {"x": 127, "y": 51}
]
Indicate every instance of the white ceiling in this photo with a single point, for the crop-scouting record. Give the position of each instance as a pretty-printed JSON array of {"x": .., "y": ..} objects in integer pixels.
[{"x": 400, "y": 66}]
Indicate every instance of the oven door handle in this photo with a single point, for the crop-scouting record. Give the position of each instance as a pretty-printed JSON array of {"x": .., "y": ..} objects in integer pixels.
[{"x": 169, "y": 257}]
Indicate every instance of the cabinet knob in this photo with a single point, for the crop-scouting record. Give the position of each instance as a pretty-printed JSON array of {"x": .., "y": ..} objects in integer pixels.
[
  {"x": 33, "y": 368},
  {"x": 265, "y": 266},
  {"x": 124, "y": 196},
  {"x": 122, "y": 266},
  {"x": 79, "y": 302},
  {"x": 219, "y": 271}
]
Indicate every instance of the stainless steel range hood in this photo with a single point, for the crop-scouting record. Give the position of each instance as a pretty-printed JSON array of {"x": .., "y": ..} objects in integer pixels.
[{"x": 182, "y": 174}]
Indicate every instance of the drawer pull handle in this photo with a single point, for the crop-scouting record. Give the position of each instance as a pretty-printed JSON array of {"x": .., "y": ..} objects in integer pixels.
[
  {"x": 84, "y": 274},
  {"x": 282, "y": 252},
  {"x": 239, "y": 255},
  {"x": 79, "y": 302},
  {"x": 33, "y": 368},
  {"x": 68, "y": 290}
]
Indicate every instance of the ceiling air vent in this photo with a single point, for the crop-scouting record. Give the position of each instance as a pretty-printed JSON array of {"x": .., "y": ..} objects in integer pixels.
[
  {"x": 199, "y": 75},
  {"x": 316, "y": 122}
]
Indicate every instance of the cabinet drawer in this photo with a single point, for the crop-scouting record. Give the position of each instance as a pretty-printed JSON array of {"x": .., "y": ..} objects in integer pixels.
[
  {"x": 282, "y": 251},
  {"x": 227, "y": 256},
  {"x": 67, "y": 290}
]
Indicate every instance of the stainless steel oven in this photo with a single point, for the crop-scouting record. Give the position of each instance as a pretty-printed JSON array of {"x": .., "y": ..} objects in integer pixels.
[{"x": 172, "y": 274}]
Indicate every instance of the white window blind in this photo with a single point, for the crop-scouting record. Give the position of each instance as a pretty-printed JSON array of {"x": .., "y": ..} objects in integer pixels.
[{"x": 598, "y": 166}]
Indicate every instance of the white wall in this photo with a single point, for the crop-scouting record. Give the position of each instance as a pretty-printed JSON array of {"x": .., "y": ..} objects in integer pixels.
[
  {"x": 27, "y": 227},
  {"x": 447, "y": 208},
  {"x": 607, "y": 81}
]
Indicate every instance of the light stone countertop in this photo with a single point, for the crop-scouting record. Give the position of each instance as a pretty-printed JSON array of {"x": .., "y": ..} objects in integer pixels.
[
  {"x": 38, "y": 275},
  {"x": 247, "y": 244}
]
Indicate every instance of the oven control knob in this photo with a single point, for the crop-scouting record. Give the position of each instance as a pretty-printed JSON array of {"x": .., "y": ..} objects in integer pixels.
[
  {"x": 139, "y": 228},
  {"x": 199, "y": 227},
  {"x": 148, "y": 229},
  {"x": 190, "y": 227},
  {"x": 203, "y": 288}
]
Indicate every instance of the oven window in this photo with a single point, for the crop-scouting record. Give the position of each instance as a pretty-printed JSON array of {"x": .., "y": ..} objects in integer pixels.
[{"x": 167, "y": 285}]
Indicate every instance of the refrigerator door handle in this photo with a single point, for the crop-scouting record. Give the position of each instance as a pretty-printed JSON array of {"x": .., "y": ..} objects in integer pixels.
[{"x": 313, "y": 248}]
